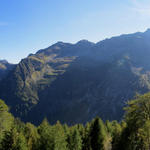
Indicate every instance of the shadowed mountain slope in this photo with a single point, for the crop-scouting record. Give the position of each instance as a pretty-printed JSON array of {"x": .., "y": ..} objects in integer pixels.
[{"x": 5, "y": 67}]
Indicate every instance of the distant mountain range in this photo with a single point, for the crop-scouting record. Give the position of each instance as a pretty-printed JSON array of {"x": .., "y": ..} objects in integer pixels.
[{"x": 75, "y": 82}]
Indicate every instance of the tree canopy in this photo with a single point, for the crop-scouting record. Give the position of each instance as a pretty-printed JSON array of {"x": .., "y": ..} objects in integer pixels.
[{"x": 132, "y": 133}]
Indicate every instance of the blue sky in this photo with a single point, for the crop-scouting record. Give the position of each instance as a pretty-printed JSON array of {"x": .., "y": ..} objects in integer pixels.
[{"x": 29, "y": 25}]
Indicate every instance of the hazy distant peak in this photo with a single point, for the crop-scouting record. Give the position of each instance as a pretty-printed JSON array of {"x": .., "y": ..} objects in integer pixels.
[
  {"x": 3, "y": 61},
  {"x": 60, "y": 43},
  {"x": 147, "y": 31},
  {"x": 84, "y": 42}
]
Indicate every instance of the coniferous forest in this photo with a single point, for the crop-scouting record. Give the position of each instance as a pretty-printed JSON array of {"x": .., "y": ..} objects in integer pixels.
[{"x": 132, "y": 133}]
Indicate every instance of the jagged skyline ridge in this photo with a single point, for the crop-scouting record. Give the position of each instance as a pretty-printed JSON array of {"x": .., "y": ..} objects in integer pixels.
[{"x": 27, "y": 26}]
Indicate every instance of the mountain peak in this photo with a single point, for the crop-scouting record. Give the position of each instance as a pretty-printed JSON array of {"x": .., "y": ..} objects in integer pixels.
[
  {"x": 84, "y": 42},
  {"x": 147, "y": 31},
  {"x": 3, "y": 61},
  {"x": 59, "y": 44}
]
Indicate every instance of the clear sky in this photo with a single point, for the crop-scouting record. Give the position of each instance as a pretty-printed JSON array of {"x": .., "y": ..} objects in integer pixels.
[{"x": 29, "y": 25}]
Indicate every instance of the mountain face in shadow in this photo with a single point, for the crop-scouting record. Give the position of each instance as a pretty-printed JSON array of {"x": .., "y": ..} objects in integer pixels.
[
  {"x": 75, "y": 82},
  {"x": 5, "y": 67}
]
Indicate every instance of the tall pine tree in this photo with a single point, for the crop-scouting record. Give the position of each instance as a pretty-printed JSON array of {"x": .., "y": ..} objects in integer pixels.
[{"x": 99, "y": 135}]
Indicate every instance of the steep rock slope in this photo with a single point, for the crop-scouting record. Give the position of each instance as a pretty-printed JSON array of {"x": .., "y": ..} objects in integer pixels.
[{"x": 76, "y": 82}]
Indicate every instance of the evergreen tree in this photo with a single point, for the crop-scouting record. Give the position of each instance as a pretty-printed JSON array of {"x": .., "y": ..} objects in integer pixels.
[
  {"x": 137, "y": 115},
  {"x": 14, "y": 140},
  {"x": 144, "y": 135},
  {"x": 8, "y": 141},
  {"x": 46, "y": 136},
  {"x": 87, "y": 138},
  {"x": 59, "y": 142},
  {"x": 114, "y": 129},
  {"x": 32, "y": 136},
  {"x": 20, "y": 143},
  {"x": 74, "y": 140},
  {"x": 77, "y": 140},
  {"x": 6, "y": 120},
  {"x": 99, "y": 135}
]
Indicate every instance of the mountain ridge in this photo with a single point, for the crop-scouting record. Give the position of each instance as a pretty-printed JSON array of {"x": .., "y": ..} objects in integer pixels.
[{"x": 74, "y": 83}]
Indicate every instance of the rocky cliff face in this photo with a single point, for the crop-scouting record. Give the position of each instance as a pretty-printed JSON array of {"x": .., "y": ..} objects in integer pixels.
[{"x": 76, "y": 82}]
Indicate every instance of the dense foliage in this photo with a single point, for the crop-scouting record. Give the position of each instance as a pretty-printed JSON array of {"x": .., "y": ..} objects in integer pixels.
[{"x": 133, "y": 133}]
